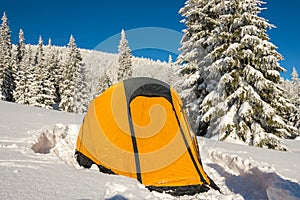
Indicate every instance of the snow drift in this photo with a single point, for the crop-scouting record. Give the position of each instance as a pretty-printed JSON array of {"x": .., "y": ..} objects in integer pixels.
[
  {"x": 37, "y": 162},
  {"x": 239, "y": 178}
]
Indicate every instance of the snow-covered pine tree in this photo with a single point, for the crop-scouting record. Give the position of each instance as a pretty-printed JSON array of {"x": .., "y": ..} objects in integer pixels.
[
  {"x": 170, "y": 60},
  {"x": 49, "y": 43},
  {"x": 67, "y": 86},
  {"x": 200, "y": 19},
  {"x": 81, "y": 91},
  {"x": 295, "y": 98},
  {"x": 55, "y": 70},
  {"x": 125, "y": 56},
  {"x": 103, "y": 83},
  {"x": 7, "y": 84},
  {"x": 294, "y": 95},
  {"x": 244, "y": 101},
  {"x": 21, "y": 78},
  {"x": 73, "y": 96},
  {"x": 247, "y": 104},
  {"x": 32, "y": 78},
  {"x": 44, "y": 89},
  {"x": 38, "y": 60}
]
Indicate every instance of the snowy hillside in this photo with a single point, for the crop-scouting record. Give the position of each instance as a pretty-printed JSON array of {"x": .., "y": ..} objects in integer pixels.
[
  {"x": 98, "y": 62},
  {"x": 36, "y": 162}
]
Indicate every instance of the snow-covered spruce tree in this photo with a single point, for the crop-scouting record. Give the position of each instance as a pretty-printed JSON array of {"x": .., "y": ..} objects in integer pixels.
[
  {"x": 21, "y": 77},
  {"x": 170, "y": 60},
  {"x": 73, "y": 88},
  {"x": 32, "y": 77},
  {"x": 44, "y": 89},
  {"x": 103, "y": 83},
  {"x": 244, "y": 101},
  {"x": 294, "y": 94},
  {"x": 81, "y": 96},
  {"x": 200, "y": 19},
  {"x": 7, "y": 85},
  {"x": 247, "y": 104},
  {"x": 55, "y": 70},
  {"x": 125, "y": 64}
]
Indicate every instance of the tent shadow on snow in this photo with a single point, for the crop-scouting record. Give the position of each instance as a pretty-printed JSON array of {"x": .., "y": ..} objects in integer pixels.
[
  {"x": 117, "y": 197},
  {"x": 256, "y": 184}
]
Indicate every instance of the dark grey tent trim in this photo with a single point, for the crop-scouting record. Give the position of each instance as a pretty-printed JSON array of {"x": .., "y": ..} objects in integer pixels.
[
  {"x": 85, "y": 162},
  {"x": 180, "y": 190},
  {"x": 135, "y": 148},
  {"x": 146, "y": 87}
]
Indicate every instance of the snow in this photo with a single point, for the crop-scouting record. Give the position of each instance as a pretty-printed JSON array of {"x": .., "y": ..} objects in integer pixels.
[{"x": 37, "y": 162}]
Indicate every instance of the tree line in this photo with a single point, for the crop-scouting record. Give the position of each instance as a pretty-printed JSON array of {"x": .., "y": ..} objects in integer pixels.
[
  {"x": 292, "y": 92},
  {"x": 30, "y": 76},
  {"x": 44, "y": 76}
]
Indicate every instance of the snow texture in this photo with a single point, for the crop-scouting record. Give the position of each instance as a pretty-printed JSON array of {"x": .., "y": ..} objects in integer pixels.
[{"x": 37, "y": 162}]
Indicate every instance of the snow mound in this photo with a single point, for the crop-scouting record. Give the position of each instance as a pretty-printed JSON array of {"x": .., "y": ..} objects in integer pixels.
[
  {"x": 238, "y": 178},
  {"x": 125, "y": 189},
  {"x": 59, "y": 140},
  {"x": 251, "y": 179}
]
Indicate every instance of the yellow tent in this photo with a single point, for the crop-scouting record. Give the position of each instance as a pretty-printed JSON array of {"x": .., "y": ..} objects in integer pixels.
[{"x": 137, "y": 128}]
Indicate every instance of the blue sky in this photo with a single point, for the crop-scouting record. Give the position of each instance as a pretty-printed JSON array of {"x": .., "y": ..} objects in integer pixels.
[{"x": 96, "y": 23}]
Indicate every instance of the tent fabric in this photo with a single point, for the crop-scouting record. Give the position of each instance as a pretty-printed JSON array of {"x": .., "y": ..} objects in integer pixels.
[{"x": 137, "y": 128}]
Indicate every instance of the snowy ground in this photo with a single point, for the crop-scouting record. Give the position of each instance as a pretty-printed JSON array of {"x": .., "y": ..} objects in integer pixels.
[{"x": 36, "y": 162}]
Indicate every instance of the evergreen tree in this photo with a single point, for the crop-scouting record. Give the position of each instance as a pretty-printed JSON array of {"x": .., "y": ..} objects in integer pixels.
[
  {"x": 81, "y": 92},
  {"x": 125, "y": 64},
  {"x": 32, "y": 77},
  {"x": 103, "y": 83},
  {"x": 49, "y": 43},
  {"x": 44, "y": 89},
  {"x": 295, "y": 96},
  {"x": 73, "y": 88},
  {"x": 170, "y": 60},
  {"x": 200, "y": 20},
  {"x": 7, "y": 85},
  {"x": 21, "y": 78},
  {"x": 295, "y": 99},
  {"x": 55, "y": 70},
  {"x": 240, "y": 72}
]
